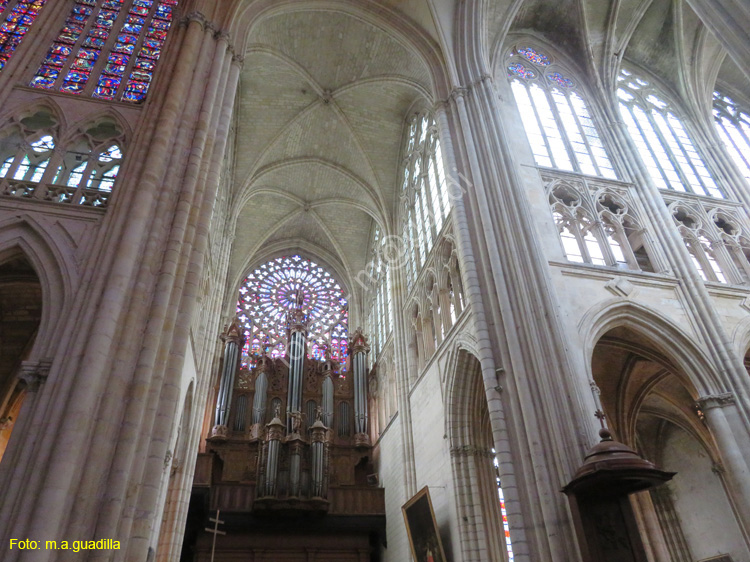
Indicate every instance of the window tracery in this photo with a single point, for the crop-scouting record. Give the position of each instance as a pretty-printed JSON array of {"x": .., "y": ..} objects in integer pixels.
[
  {"x": 271, "y": 291},
  {"x": 438, "y": 302},
  {"x": 379, "y": 319},
  {"x": 670, "y": 156},
  {"x": 35, "y": 164},
  {"x": 15, "y": 25},
  {"x": 717, "y": 239},
  {"x": 733, "y": 126},
  {"x": 107, "y": 51},
  {"x": 598, "y": 225},
  {"x": 555, "y": 116},
  {"x": 424, "y": 196}
]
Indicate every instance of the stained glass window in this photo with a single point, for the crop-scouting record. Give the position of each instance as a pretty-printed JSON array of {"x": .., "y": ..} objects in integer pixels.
[
  {"x": 16, "y": 24},
  {"x": 424, "y": 193},
  {"x": 117, "y": 45},
  {"x": 503, "y": 512},
  {"x": 557, "y": 121},
  {"x": 733, "y": 125},
  {"x": 270, "y": 292},
  {"x": 665, "y": 147},
  {"x": 534, "y": 56}
]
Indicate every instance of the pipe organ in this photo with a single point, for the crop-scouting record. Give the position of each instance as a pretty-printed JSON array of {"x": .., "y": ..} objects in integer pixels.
[{"x": 290, "y": 438}]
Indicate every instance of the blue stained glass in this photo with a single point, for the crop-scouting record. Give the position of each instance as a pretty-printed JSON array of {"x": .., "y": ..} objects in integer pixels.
[
  {"x": 112, "y": 4},
  {"x": 164, "y": 12},
  {"x": 161, "y": 25},
  {"x": 94, "y": 42},
  {"x": 126, "y": 49},
  {"x": 106, "y": 18},
  {"x": 56, "y": 60},
  {"x": 157, "y": 34},
  {"x": 115, "y": 58},
  {"x": 72, "y": 87},
  {"x": 70, "y": 33},
  {"x": 534, "y": 56},
  {"x": 560, "y": 79},
  {"x": 518, "y": 69},
  {"x": 76, "y": 76},
  {"x": 16, "y": 25},
  {"x": 42, "y": 82},
  {"x": 141, "y": 76},
  {"x": 135, "y": 92},
  {"x": 127, "y": 39},
  {"x": 139, "y": 11},
  {"x": 105, "y": 93},
  {"x": 131, "y": 28},
  {"x": 150, "y": 52}
]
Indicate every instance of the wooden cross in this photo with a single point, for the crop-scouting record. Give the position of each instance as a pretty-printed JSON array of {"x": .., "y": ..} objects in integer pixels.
[
  {"x": 215, "y": 531},
  {"x": 600, "y": 416}
]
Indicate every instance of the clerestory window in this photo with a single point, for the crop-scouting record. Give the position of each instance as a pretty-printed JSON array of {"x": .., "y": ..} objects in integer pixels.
[
  {"x": 424, "y": 195},
  {"x": 378, "y": 294},
  {"x": 17, "y": 15},
  {"x": 556, "y": 119},
  {"x": 107, "y": 49},
  {"x": 733, "y": 125},
  {"x": 663, "y": 142}
]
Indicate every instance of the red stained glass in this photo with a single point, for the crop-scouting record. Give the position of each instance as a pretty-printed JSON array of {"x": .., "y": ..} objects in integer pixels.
[
  {"x": 89, "y": 24},
  {"x": 16, "y": 25}
]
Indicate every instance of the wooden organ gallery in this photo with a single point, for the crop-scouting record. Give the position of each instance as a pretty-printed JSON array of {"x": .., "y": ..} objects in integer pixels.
[{"x": 288, "y": 463}]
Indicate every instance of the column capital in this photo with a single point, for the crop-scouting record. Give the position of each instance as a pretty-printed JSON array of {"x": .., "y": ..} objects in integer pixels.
[
  {"x": 194, "y": 16},
  {"x": 715, "y": 401},
  {"x": 34, "y": 373}
]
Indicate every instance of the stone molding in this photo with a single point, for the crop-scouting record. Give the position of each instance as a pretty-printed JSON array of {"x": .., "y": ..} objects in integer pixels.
[
  {"x": 34, "y": 373},
  {"x": 715, "y": 401},
  {"x": 472, "y": 451}
]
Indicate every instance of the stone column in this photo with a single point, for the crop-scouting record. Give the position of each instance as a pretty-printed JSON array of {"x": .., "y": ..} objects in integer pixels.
[
  {"x": 233, "y": 342},
  {"x": 358, "y": 350},
  {"x": 720, "y": 409}
]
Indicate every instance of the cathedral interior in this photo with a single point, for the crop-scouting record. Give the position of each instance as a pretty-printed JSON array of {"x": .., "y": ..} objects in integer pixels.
[{"x": 272, "y": 272}]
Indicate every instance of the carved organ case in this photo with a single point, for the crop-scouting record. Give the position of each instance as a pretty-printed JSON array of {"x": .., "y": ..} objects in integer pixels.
[{"x": 291, "y": 440}]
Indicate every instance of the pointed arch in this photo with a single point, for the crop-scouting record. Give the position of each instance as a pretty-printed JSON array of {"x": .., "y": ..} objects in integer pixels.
[
  {"x": 663, "y": 333},
  {"x": 52, "y": 264}
]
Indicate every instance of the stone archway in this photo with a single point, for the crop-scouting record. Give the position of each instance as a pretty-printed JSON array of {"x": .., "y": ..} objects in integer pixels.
[
  {"x": 20, "y": 314},
  {"x": 650, "y": 404}
]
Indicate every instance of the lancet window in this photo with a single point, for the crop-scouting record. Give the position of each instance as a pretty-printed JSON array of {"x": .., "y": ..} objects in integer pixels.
[
  {"x": 733, "y": 125},
  {"x": 598, "y": 225},
  {"x": 425, "y": 198},
  {"x": 271, "y": 291},
  {"x": 378, "y": 294},
  {"x": 671, "y": 158},
  {"x": 557, "y": 121},
  {"x": 17, "y": 19},
  {"x": 81, "y": 170},
  {"x": 107, "y": 49}
]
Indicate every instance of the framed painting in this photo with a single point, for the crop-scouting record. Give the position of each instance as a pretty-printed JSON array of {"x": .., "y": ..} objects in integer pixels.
[{"x": 422, "y": 528}]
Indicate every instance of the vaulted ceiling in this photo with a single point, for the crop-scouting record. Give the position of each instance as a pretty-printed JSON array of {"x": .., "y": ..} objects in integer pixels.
[{"x": 324, "y": 97}]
